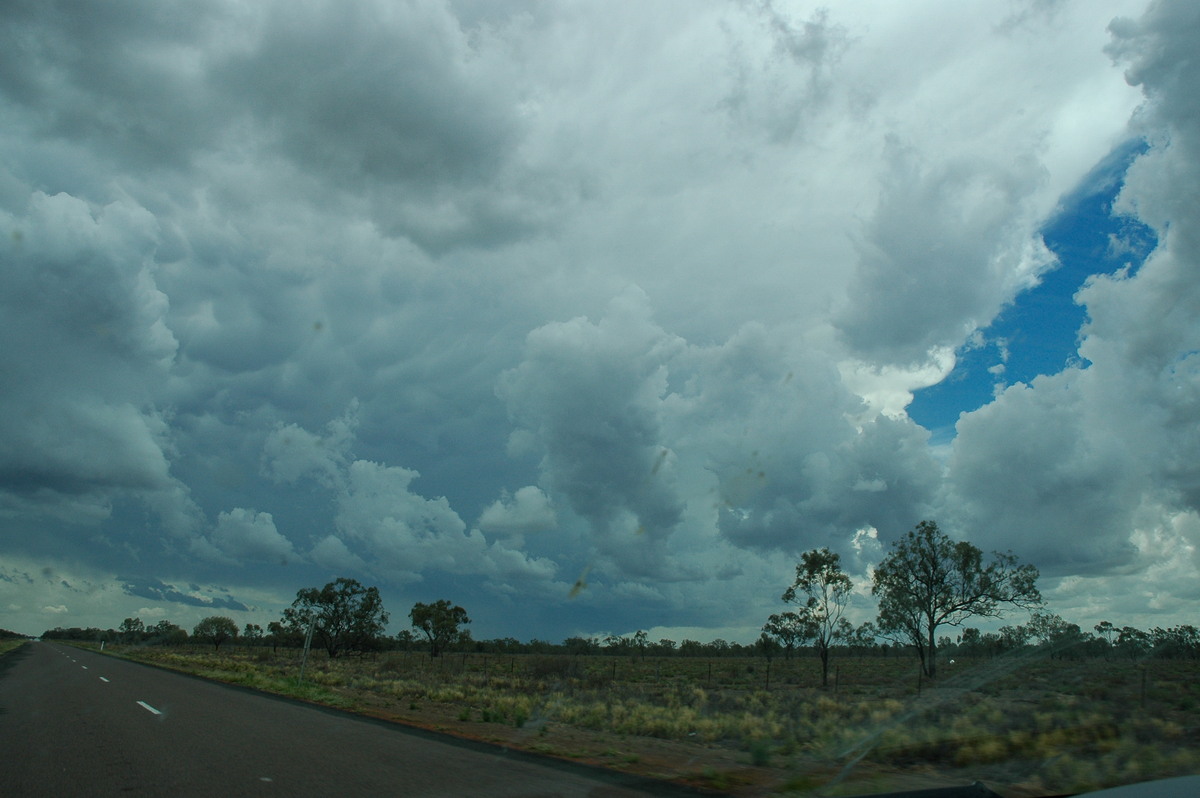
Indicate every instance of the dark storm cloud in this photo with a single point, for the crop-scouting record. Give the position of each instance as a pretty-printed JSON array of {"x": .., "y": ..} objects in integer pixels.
[
  {"x": 799, "y": 460},
  {"x": 156, "y": 590},
  {"x": 591, "y": 397},
  {"x": 380, "y": 519},
  {"x": 86, "y": 336},
  {"x": 393, "y": 103},
  {"x": 124, "y": 77},
  {"x": 365, "y": 93},
  {"x": 881, "y": 477},
  {"x": 755, "y": 430}
]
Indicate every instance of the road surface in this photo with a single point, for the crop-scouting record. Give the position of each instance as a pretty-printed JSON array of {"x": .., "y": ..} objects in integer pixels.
[{"x": 77, "y": 723}]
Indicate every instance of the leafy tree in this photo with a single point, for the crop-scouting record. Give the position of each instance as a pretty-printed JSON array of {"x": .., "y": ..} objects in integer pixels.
[
  {"x": 1106, "y": 630},
  {"x": 1133, "y": 642},
  {"x": 615, "y": 644},
  {"x": 252, "y": 634},
  {"x": 76, "y": 633},
  {"x": 349, "y": 617},
  {"x": 132, "y": 630},
  {"x": 863, "y": 637},
  {"x": 503, "y": 645},
  {"x": 165, "y": 633},
  {"x": 579, "y": 645},
  {"x": 821, "y": 589},
  {"x": 280, "y": 635},
  {"x": 640, "y": 640},
  {"x": 929, "y": 580},
  {"x": 216, "y": 629},
  {"x": 1061, "y": 637},
  {"x": 1178, "y": 642},
  {"x": 788, "y": 629},
  {"x": 1013, "y": 637},
  {"x": 767, "y": 645},
  {"x": 718, "y": 648},
  {"x": 440, "y": 621}
]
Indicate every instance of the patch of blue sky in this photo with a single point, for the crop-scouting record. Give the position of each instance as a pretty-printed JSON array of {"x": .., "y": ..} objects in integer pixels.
[{"x": 1039, "y": 332}]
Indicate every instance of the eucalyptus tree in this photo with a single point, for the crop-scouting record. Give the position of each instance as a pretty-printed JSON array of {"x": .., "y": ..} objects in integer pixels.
[
  {"x": 820, "y": 591},
  {"x": 441, "y": 623},
  {"x": 787, "y": 629},
  {"x": 929, "y": 580},
  {"x": 345, "y": 616},
  {"x": 216, "y": 629}
]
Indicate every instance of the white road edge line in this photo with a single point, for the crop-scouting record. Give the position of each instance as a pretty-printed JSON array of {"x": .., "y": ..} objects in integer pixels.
[{"x": 148, "y": 708}]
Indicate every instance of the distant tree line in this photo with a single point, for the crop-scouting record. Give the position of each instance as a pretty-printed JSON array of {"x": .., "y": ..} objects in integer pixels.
[
  {"x": 344, "y": 618},
  {"x": 1058, "y": 639},
  {"x": 1177, "y": 642},
  {"x": 926, "y": 583}
]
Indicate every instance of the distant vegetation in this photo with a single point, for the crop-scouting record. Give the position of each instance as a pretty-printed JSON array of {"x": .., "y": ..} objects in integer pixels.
[{"x": 926, "y": 583}]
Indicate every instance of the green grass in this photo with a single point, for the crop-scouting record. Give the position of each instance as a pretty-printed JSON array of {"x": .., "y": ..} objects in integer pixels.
[{"x": 8, "y": 645}]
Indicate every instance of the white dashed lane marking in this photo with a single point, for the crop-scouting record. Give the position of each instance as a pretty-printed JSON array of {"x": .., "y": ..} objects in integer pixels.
[{"x": 148, "y": 708}]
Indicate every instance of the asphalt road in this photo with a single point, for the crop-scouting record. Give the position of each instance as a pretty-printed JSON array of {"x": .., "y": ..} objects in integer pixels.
[{"x": 77, "y": 723}]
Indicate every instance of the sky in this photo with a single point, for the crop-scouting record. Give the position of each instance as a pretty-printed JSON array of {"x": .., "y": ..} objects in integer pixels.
[{"x": 593, "y": 317}]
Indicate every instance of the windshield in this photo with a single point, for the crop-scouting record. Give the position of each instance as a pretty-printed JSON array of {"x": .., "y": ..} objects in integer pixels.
[{"x": 834, "y": 368}]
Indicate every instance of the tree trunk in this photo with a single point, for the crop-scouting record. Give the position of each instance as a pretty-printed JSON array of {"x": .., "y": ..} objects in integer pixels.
[
  {"x": 931, "y": 661},
  {"x": 825, "y": 667}
]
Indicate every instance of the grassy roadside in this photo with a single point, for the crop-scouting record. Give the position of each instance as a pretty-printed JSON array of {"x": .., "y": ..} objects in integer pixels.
[
  {"x": 10, "y": 645},
  {"x": 277, "y": 675},
  {"x": 1025, "y": 729}
]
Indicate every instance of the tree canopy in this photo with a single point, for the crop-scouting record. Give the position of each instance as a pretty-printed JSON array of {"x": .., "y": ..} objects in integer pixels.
[
  {"x": 216, "y": 629},
  {"x": 821, "y": 589},
  {"x": 929, "y": 580},
  {"x": 787, "y": 629},
  {"x": 440, "y": 621},
  {"x": 349, "y": 617}
]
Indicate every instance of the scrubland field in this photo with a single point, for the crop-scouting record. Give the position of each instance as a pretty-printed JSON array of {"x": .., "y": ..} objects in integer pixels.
[{"x": 1023, "y": 726}]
